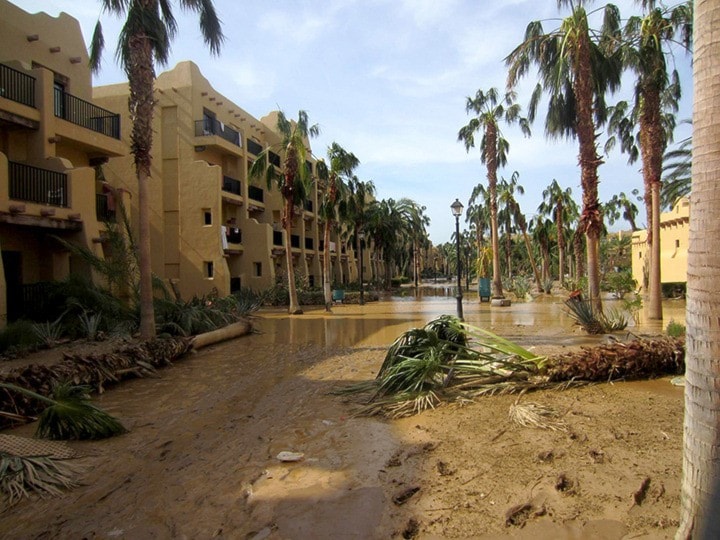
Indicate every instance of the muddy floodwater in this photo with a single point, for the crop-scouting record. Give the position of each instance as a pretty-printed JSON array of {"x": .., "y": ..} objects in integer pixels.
[{"x": 201, "y": 458}]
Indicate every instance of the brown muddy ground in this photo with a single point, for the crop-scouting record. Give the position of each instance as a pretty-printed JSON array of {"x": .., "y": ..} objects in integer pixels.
[{"x": 200, "y": 460}]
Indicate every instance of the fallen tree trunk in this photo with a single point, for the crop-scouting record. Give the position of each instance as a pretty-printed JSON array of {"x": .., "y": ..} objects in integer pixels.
[{"x": 230, "y": 331}]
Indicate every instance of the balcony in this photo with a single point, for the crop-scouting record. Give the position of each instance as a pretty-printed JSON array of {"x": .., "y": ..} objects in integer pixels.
[
  {"x": 278, "y": 238},
  {"x": 85, "y": 114},
  {"x": 212, "y": 132},
  {"x": 309, "y": 244},
  {"x": 253, "y": 147},
  {"x": 234, "y": 235},
  {"x": 36, "y": 185},
  {"x": 17, "y": 86},
  {"x": 295, "y": 241},
  {"x": 256, "y": 199},
  {"x": 103, "y": 210},
  {"x": 231, "y": 185}
]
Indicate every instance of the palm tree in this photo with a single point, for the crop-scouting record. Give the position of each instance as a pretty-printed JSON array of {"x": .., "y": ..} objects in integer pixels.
[
  {"x": 507, "y": 196},
  {"x": 541, "y": 229},
  {"x": 557, "y": 203},
  {"x": 646, "y": 45},
  {"x": 342, "y": 163},
  {"x": 677, "y": 164},
  {"x": 620, "y": 206},
  {"x": 490, "y": 110},
  {"x": 700, "y": 491},
  {"x": 576, "y": 74},
  {"x": 293, "y": 182},
  {"x": 145, "y": 39},
  {"x": 354, "y": 208}
]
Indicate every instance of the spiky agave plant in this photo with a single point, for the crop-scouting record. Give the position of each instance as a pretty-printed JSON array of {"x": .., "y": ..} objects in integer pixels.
[{"x": 70, "y": 415}]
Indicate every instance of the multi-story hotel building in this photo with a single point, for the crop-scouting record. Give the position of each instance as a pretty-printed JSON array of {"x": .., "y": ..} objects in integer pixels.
[{"x": 52, "y": 135}]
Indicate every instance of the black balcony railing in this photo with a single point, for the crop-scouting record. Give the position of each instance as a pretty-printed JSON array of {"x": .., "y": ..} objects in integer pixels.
[
  {"x": 295, "y": 241},
  {"x": 103, "y": 210},
  {"x": 253, "y": 147},
  {"x": 256, "y": 194},
  {"x": 85, "y": 114},
  {"x": 277, "y": 238},
  {"x": 309, "y": 243},
  {"x": 308, "y": 206},
  {"x": 17, "y": 86},
  {"x": 33, "y": 184},
  {"x": 211, "y": 126},
  {"x": 231, "y": 185}
]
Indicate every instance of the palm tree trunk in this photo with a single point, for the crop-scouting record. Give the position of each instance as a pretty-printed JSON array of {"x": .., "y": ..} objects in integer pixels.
[
  {"x": 294, "y": 307},
  {"x": 561, "y": 243},
  {"x": 532, "y": 260},
  {"x": 591, "y": 217},
  {"x": 491, "y": 163},
  {"x": 327, "y": 291},
  {"x": 141, "y": 76},
  {"x": 700, "y": 492}
]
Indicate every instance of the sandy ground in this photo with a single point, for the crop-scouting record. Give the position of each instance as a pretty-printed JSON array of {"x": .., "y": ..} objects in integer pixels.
[{"x": 200, "y": 460}]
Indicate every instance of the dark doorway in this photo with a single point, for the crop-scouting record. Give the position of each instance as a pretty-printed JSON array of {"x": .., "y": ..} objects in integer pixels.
[{"x": 12, "y": 261}]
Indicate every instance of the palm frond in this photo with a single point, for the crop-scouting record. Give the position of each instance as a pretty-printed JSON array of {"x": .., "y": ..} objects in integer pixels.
[{"x": 21, "y": 476}]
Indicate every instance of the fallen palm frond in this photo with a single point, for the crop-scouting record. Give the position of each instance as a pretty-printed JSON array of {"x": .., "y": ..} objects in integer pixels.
[
  {"x": 21, "y": 476},
  {"x": 537, "y": 416},
  {"x": 93, "y": 370},
  {"x": 69, "y": 415},
  {"x": 449, "y": 360}
]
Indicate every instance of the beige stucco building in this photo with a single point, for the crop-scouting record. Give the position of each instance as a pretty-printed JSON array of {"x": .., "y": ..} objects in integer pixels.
[
  {"x": 674, "y": 241},
  {"x": 51, "y": 136},
  {"x": 65, "y": 166},
  {"x": 213, "y": 228}
]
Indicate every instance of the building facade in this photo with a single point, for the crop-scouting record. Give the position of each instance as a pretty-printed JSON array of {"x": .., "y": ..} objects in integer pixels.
[
  {"x": 674, "y": 243},
  {"x": 214, "y": 229},
  {"x": 52, "y": 136}
]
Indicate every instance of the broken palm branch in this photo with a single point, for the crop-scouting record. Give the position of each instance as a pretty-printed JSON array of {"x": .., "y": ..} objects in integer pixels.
[
  {"x": 536, "y": 415},
  {"x": 592, "y": 320},
  {"x": 21, "y": 476},
  {"x": 94, "y": 370},
  {"x": 69, "y": 414},
  {"x": 422, "y": 369}
]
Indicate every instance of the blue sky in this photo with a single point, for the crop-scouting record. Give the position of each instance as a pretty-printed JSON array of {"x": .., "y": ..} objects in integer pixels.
[{"x": 387, "y": 80}]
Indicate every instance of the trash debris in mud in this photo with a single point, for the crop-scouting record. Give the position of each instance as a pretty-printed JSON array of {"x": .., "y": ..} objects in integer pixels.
[
  {"x": 411, "y": 529},
  {"x": 289, "y": 457},
  {"x": 405, "y": 495},
  {"x": 597, "y": 456},
  {"x": 546, "y": 456},
  {"x": 444, "y": 469},
  {"x": 564, "y": 484},
  {"x": 641, "y": 493},
  {"x": 518, "y": 515}
]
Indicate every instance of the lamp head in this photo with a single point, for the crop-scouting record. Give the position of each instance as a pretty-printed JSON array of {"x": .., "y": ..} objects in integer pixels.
[{"x": 457, "y": 208}]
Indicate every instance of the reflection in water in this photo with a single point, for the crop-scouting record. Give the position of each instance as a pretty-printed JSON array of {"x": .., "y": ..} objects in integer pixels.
[{"x": 378, "y": 324}]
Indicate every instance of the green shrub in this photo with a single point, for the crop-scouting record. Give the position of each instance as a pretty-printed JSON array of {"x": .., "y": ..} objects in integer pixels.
[
  {"x": 675, "y": 329},
  {"x": 619, "y": 283}
]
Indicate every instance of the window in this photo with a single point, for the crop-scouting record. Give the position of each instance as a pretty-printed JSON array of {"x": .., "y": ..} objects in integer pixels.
[
  {"x": 257, "y": 266},
  {"x": 209, "y": 269},
  {"x": 640, "y": 255},
  {"x": 677, "y": 243},
  {"x": 207, "y": 216}
]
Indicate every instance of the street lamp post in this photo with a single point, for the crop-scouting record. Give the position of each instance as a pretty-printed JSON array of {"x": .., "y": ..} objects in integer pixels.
[
  {"x": 361, "y": 237},
  {"x": 457, "y": 208}
]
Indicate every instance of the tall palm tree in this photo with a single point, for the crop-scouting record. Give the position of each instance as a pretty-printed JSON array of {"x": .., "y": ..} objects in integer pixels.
[
  {"x": 541, "y": 229},
  {"x": 342, "y": 164},
  {"x": 293, "y": 182},
  {"x": 145, "y": 39},
  {"x": 557, "y": 203},
  {"x": 491, "y": 109},
  {"x": 507, "y": 196},
  {"x": 354, "y": 208},
  {"x": 646, "y": 44},
  {"x": 700, "y": 491},
  {"x": 576, "y": 74}
]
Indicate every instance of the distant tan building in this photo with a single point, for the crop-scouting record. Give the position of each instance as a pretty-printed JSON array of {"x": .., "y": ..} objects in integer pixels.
[
  {"x": 51, "y": 136},
  {"x": 674, "y": 242},
  {"x": 213, "y": 229}
]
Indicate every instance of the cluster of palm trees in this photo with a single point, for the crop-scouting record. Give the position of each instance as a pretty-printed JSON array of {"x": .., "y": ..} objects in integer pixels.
[
  {"x": 577, "y": 68},
  {"x": 347, "y": 205}
]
